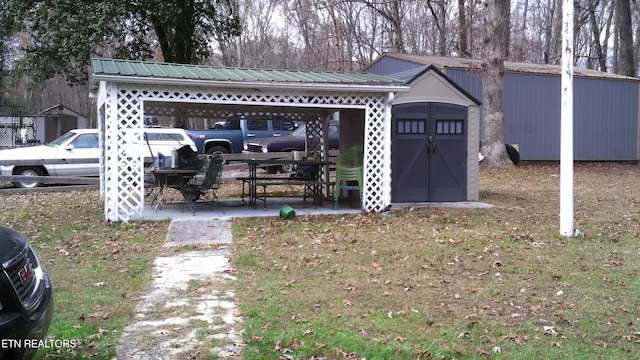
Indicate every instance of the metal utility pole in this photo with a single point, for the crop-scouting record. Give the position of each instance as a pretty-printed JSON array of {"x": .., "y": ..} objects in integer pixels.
[{"x": 566, "y": 123}]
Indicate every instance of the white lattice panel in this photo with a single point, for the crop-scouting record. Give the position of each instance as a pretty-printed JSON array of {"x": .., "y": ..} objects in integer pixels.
[
  {"x": 374, "y": 157},
  {"x": 123, "y": 107}
]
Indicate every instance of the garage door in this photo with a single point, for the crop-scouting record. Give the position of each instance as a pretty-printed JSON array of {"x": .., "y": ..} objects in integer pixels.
[{"x": 428, "y": 152}]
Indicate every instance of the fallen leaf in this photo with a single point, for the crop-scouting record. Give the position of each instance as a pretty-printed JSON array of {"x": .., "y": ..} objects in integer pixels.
[
  {"x": 556, "y": 344},
  {"x": 294, "y": 344},
  {"x": 517, "y": 339}
]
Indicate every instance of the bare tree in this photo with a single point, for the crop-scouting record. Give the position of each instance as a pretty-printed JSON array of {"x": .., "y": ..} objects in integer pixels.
[
  {"x": 626, "y": 64},
  {"x": 392, "y": 12},
  {"x": 598, "y": 51},
  {"x": 494, "y": 52},
  {"x": 462, "y": 30},
  {"x": 439, "y": 15}
]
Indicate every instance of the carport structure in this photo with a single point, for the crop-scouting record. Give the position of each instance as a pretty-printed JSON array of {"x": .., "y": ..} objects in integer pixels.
[{"x": 128, "y": 90}]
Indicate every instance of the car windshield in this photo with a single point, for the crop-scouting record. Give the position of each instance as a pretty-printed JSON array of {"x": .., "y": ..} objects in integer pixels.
[
  {"x": 62, "y": 139},
  {"x": 300, "y": 131}
]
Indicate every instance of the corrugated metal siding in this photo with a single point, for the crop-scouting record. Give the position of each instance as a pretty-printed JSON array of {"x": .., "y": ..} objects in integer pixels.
[
  {"x": 532, "y": 113},
  {"x": 470, "y": 81},
  {"x": 605, "y": 112},
  {"x": 387, "y": 67},
  {"x": 605, "y": 117}
]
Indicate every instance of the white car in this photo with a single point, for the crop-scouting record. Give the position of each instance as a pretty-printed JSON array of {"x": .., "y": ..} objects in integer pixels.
[{"x": 45, "y": 160}]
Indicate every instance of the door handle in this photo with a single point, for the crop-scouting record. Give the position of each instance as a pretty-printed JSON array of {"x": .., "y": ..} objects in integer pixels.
[{"x": 431, "y": 146}]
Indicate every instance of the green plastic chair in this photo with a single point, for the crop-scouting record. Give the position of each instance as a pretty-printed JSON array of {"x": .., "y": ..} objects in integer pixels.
[{"x": 349, "y": 168}]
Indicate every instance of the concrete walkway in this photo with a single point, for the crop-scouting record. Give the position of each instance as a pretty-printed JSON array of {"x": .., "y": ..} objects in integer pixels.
[{"x": 189, "y": 311}]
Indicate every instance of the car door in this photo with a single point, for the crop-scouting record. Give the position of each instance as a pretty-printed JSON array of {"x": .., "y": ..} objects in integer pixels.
[
  {"x": 257, "y": 128},
  {"x": 282, "y": 127},
  {"x": 83, "y": 146}
]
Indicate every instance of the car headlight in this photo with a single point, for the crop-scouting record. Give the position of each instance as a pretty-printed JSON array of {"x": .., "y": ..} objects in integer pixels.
[
  {"x": 265, "y": 150},
  {"x": 245, "y": 146}
]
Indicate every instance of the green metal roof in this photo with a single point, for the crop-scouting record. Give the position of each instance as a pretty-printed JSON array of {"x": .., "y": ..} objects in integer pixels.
[{"x": 159, "y": 70}]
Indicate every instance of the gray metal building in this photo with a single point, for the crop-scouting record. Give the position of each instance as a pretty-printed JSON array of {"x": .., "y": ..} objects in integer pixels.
[{"x": 606, "y": 106}]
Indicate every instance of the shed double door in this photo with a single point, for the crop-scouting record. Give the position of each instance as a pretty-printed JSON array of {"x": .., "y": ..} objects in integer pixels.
[{"x": 429, "y": 152}]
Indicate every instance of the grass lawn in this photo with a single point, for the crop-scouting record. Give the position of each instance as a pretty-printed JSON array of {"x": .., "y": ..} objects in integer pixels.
[
  {"x": 452, "y": 283},
  {"x": 417, "y": 283}
]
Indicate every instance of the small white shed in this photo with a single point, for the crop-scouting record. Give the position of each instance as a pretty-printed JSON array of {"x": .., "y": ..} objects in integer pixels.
[{"x": 434, "y": 140}]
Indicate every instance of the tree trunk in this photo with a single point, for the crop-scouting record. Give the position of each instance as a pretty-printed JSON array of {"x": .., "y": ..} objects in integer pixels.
[
  {"x": 599, "y": 54},
  {"x": 495, "y": 50},
  {"x": 462, "y": 31},
  {"x": 623, "y": 21}
]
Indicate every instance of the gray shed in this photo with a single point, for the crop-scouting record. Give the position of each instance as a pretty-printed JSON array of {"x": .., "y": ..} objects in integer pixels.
[
  {"x": 56, "y": 121},
  {"x": 434, "y": 140},
  {"x": 606, "y": 106}
]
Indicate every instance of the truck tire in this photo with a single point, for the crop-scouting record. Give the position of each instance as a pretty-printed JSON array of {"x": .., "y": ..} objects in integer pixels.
[
  {"x": 286, "y": 168},
  {"x": 215, "y": 149},
  {"x": 27, "y": 171},
  {"x": 220, "y": 149}
]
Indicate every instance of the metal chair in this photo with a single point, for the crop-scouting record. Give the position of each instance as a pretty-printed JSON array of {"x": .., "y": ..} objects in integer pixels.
[
  {"x": 349, "y": 168},
  {"x": 206, "y": 181}
]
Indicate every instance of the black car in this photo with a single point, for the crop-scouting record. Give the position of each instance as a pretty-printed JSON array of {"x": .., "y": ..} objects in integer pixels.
[
  {"x": 26, "y": 304},
  {"x": 292, "y": 142}
]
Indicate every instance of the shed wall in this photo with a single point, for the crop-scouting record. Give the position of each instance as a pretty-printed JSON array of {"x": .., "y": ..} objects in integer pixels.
[
  {"x": 605, "y": 115},
  {"x": 606, "y": 112}
]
